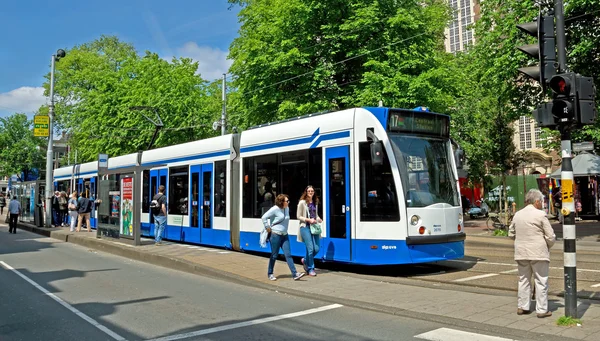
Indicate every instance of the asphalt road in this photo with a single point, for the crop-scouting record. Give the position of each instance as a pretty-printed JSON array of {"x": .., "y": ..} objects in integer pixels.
[{"x": 50, "y": 290}]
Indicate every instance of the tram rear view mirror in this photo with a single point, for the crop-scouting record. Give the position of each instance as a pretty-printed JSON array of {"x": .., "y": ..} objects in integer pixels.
[
  {"x": 459, "y": 158},
  {"x": 376, "y": 153}
]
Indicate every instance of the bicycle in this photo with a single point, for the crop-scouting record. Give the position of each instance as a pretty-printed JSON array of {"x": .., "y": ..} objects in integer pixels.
[{"x": 495, "y": 221}]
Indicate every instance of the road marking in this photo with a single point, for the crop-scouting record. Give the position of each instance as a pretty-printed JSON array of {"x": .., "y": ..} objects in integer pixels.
[
  {"x": 222, "y": 252},
  {"x": 596, "y": 285},
  {"x": 447, "y": 334},
  {"x": 514, "y": 265},
  {"x": 65, "y": 304},
  {"x": 247, "y": 323},
  {"x": 193, "y": 247},
  {"x": 509, "y": 271},
  {"x": 474, "y": 277}
]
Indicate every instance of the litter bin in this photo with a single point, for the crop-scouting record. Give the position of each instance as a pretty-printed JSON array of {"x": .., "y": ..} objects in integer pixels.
[{"x": 38, "y": 215}]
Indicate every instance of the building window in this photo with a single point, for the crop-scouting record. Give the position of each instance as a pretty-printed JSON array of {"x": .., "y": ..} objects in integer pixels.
[
  {"x": 178, "y": 190},
  {"x": 220, "y": 188},
  {"x": 525, "y": 133}
]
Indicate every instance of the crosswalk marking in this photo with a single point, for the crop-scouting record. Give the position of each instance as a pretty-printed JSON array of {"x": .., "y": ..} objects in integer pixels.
[
  {"x": 474, "y": 277},
  {"x": 447, "y": 334}
]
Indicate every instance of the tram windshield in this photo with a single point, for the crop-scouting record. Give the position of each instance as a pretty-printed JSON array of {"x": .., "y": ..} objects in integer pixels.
[{"x": 425, "y": 170}]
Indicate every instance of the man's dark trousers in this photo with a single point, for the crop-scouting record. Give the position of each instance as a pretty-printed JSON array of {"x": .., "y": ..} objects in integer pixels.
[{"x": 12, "y": 224}]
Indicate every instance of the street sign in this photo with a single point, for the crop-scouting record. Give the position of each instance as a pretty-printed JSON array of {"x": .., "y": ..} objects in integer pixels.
[
  {"x": 102, "y": 162},
  {"x": 580, "y": 146},
  {"x": 40, "y": 125}
]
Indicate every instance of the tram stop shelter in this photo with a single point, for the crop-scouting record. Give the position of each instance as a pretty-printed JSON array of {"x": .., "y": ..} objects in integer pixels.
[
  {"x": 586, "y": 174},
  {"x": 119, "y": 197}
]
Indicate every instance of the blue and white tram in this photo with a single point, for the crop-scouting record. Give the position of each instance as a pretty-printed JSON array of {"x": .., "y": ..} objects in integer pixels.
[
  {"x": 81, "y": 178},
  {"x": 386, "y": 178}
]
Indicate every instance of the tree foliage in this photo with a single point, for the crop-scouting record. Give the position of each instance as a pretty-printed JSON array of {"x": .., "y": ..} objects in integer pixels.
[
  {"x": 21, "y": 153},
  {"x": 98, "y": 84},
  {"x": 300, "y": 56}
]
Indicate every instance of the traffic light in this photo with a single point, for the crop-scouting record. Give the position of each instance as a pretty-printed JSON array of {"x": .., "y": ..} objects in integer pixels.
[
  {"x": 564, "y": 94},
  {"x": 543, "y": 115},
  {"x": 586, "y": 100},
  {"x": 544, "y": 50}
]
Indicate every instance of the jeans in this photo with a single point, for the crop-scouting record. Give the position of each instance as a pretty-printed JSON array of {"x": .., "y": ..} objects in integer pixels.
[
  {"x": 283, "y": 242},
  {"x": 74, "y": 217},
  {"x": 312, "y": 243},
  {"x": 12, "y": 223},
  {"x": 160, "y": 221}
]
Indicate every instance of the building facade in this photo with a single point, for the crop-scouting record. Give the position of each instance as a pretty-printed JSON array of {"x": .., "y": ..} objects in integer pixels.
[
  {"x": 460, "y": 34},
  {"x": 528, "y": 137}
]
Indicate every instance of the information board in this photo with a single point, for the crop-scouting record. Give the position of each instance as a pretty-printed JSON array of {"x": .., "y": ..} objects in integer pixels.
[
  {"x": 41, "y": 125},
  {"x": 409, "y": 121}
]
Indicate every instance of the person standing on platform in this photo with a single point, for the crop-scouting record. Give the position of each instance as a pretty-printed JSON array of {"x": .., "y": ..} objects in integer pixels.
[{"x": 14, "y": 209}]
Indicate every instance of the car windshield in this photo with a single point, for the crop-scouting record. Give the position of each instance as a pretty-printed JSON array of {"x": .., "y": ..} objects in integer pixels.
[{"x": 425, "y": 170}]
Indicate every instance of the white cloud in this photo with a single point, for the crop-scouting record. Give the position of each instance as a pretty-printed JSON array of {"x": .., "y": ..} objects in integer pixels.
[
  {"x": 24, "y": 99},
  {"x": 212, "y": 62}
]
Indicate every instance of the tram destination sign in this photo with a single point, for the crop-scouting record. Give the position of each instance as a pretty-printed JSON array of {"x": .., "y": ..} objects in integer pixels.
[
  {"x": 40, "y": 125},
  {"x": 409, "y": 121}
]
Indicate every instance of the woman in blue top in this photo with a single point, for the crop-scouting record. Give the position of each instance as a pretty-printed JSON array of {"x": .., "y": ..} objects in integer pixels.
[
  {"x": 276, "y": 221},
  {"x": 308, "y": 215}
]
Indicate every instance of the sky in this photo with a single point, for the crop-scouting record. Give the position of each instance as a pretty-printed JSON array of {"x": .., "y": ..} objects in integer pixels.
[{"x": 32, "y": 30}]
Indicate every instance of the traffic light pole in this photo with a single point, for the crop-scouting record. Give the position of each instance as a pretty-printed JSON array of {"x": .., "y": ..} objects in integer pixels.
[
  {"x": 568, "y": 212},
  {"x": 561, "y": 44}
]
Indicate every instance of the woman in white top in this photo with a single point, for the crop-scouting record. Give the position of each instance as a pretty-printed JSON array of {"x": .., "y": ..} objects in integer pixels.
[
  {"x": 307, "y": 213},
  {"x": 72, "y": 206}
]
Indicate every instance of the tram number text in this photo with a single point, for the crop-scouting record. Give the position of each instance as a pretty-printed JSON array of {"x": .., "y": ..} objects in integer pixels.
[
  {"x": 437, "y": 228},
  {"x": 388, "y": 247}
]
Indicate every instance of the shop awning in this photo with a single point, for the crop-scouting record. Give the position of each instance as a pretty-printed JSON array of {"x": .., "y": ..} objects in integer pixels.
[{"x": 584, "y": 164}]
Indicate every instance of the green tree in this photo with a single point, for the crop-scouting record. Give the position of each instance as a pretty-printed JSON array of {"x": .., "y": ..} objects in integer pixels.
[
  {"x": 98, "y": 84},
  {"x": 300, "y": 56},
  {"x": 20, "y": 152}
]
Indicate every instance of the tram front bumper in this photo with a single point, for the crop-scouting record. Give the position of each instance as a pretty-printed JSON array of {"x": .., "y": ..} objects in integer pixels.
[{"x": 444, "y": 238}]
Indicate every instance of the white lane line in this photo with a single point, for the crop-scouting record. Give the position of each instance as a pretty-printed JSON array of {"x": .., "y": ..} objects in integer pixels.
[
  {"x": 474, "y": 277},
  {"x": 596, "y": 285},
  {"x": 65, "y": 304},
  {"x": 509, "y": 271},
  {"x": 447, "y": 334},
  {"x": 514, "y": 265},
  {"x": 193, "y": 247},
  {"x": 247, "y": 323},
  {"x": 222, "y": 252}
]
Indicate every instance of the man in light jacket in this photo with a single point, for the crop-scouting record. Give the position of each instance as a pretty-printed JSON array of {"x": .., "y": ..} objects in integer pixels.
[{"x": 533, "y": 237}]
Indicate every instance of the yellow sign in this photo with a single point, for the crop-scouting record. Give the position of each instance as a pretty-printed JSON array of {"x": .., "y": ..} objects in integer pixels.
[
  {"x": 40, "y": 125},
  {"x": 567, "y": 190}
]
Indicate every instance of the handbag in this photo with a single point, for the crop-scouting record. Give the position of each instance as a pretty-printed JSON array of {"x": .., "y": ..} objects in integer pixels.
[{"x": 315, "y": 228}]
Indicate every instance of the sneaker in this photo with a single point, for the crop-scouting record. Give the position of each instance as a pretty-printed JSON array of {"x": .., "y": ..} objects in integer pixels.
[
  {"x": 312, "y": 273},
  {"x": 158, "y": 243},
  {"x": 304, "y": 265},
  {"x": 272, "y": 277},
  {"x": 298, "y": 275},
  {"x": 523, "y": 311}
]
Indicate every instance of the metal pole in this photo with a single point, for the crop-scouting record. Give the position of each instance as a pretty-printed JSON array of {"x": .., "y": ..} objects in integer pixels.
[
  {"x": 223, "y": 112},
  {"x": 561, "y": 40},
  {"x": 568, "y": 212},
  {"x": 50, "y": 152}
]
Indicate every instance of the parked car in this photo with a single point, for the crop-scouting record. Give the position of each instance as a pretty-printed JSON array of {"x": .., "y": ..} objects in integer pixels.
[{"x": 479, "y": 211}]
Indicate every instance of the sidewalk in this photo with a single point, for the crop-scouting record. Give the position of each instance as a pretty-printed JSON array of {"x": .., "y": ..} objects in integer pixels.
[{"x": 450, "y": 304}]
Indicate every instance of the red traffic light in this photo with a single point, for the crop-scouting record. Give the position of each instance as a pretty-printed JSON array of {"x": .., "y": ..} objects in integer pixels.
[{"x": 561, "y": 84}]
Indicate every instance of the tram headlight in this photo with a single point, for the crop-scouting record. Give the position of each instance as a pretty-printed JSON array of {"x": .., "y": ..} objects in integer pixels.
[{"x": 414, "y": 220}]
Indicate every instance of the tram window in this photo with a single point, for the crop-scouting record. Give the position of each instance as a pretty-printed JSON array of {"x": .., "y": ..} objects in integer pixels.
[
  {"x": 378, "y": 198},
  {"x": 266, "y": 183},
  {"x": 195, "y": 199},
  {"x": 178, "y": 190},
  {"x": 220, "y": 188},
  {"x": 145, "y": 191}
]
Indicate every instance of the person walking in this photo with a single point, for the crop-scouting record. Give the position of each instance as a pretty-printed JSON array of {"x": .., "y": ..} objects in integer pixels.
[
  {"x": 2, "y": 203},
  {"x": 276, "y": 221},
  {"x": 159, "y": 210},
  {"x": 84, "y": 209},
  {"x": 14, "y": 209},
  {"x": 63, "y": 211},
  {"x": 533, "y": 236},
  {"x": 308, "y": 215},
  {"x": 72, "y": 206}
]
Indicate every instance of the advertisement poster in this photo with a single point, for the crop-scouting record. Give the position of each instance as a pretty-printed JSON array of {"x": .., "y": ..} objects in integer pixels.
[
  {"x": 115, "y": 200},
  {"x": 127, "y": 206}
]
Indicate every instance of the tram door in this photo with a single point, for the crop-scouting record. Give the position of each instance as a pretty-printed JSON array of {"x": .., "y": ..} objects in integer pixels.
[
  {"x": 157, "y": 177},
  {"x": 337, "y": 243},
  {"x": 201, "y": 205}
]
